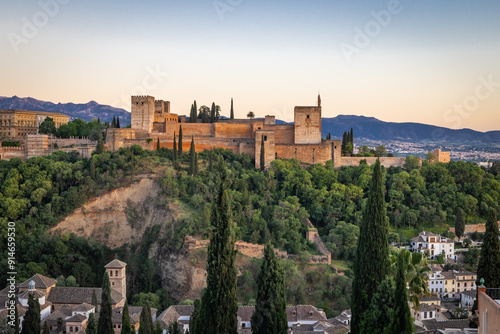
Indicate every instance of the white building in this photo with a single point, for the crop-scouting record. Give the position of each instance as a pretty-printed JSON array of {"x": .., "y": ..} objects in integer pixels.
[
  {"x": 436, "y": 282},
  {"x": 433, "y": 245}
]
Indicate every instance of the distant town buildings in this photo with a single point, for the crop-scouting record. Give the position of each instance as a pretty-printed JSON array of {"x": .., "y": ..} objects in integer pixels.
[{"x": 433, "y": 245}]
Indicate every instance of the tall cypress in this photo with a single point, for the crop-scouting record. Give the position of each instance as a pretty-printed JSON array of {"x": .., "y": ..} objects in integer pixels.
[
  {"x": 113, "y": 123},
  {"x": 460, "y": 224},
  {"x": 371, "y": 263},
  {"x": 401, "y": 321},
  {"x": 193, "y": 320},
  {"x": 91, "y": 326},
  {"x": 380, "y": 314},
  {"x": 126, "y": 328},
  {"x": 100, "y": 145},
  {"x": 262, "y": 155},
  {"x": 196, "y": 164},
  {"x": 212, "y": 113},
  {"x": 232, "y": 110},
  {"x": 16, "y": 318},
  {"x": 92, "y": 168},
  {"x": 146, "y": 325},
  {"x": 195, "y": 110},
  {"x": 94, "y": 301},
  {"x": 174, "y": 156},
  {"x": 218, "y": 312},
  {"x": 179, "y": 151},
  {"x": 117, "y": 122},
  {"x": 46, "y": 328},
  {"x": 489, "y": 262},
  {"x": 270, "y": 308},
  {"x": 31, "y": 322},
  {"x": 192, "y": 157},
  {"x": 158, "y": 145},
  {"x": 105, "y": 315}
]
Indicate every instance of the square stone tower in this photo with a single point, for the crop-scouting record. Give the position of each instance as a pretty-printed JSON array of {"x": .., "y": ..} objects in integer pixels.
[
  {"x": 307, "y": 125},
  {"x": 117, "y": 276},
  {"x": 143, "y": 113}
]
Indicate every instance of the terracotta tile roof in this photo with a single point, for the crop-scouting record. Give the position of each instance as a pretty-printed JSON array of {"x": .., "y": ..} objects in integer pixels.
[
  {"x": 304, "y": 313},
  {"x": 448, "y": 274},
  {"x": 53, "y": 318},
  {"x": 41, "y": 282},
  {"x": 426, "y": 308},
  {"x": 427, "y": 233},
  {"x": 84, "y": 307},
  {"x": 448, "y": 324},
  {"x": 471, "y": 293},
  {"x": 245, "y": 312},
  {"x": 133, "y": 311},
  {"x": 173, "y": 313},
  {"x": 66, "y": 309},
  {"x": 36, "y": 293},
  {"x": 116, "y": 264},
  {"x": 71, "y": 295},
  {"x": 77, "y": 318}
]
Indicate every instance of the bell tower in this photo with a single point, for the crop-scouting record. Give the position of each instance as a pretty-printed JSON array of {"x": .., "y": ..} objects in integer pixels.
[{"x": 117, "y": 276}]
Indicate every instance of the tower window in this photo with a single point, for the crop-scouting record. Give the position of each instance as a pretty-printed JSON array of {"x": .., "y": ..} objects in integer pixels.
[
  {"x": 307, "y": 116},
  {"x": 265, "y": 138}
]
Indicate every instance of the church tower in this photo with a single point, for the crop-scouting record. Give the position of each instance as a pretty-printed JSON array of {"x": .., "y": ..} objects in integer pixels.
[{"x": 117, "y": 276}]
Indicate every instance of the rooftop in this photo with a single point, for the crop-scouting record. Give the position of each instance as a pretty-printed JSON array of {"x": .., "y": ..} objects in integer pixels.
[{"x": 116, "y": 264}]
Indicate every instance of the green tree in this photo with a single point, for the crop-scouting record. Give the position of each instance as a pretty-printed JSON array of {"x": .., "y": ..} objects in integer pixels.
[
  {"x": 146, "y": 319},
  {"x": 204, "y": 114},
  {"x": 232, "y": 110},
  {"x": 48, "y": 126},
  {"x": 489, "y": 262},
  {"x": 411, "y": 163},
  {"x": 105, "y": 314},
  {"x": 381, "y": 311},
  {"x": 91, "y": 326},
  {"x": 192, "y": 158},
  {"x": 94, "y": 301},
  {"x": 92, "y": 168},
  {"x": 380, "y": 151},
  {"x": 460, "y": 224},
  {"x": 16, "y": 318},
  {"x": 113, "y": 123},
  {"x": 31, "y": 323},
  {"x": 270, "y": 309},
  {"x": 210, "y": 161},
  {"x": 158, "y": 329},
  {"x": 117, "y": 122},
  {"x": 99, "y": 149},
  {"x": 371, "y": 264},
  {"x": 193, "y": 320},
  {"x": 46, "y": 328},
  {"x": 401, "y": 321},
  {"x": 126, "y": 328},
  {"x": 179, "y": 151},
  {"x": 219, "y": 308},
  {"x": 212, "y": 113},
  {"x": 173, "y": 328},
  {"x": 262, "y": 155},
  {"x": 251, "y": 115},
  {"x": 174, "y": 156}
]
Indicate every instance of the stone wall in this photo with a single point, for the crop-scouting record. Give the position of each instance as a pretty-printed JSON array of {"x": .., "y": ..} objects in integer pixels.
[
  {"x": 269, "y": 147},
  {"x": 61, "y": 142},
  {"x": 224, "y": 130},
  {"x": 143, "y": 113},
  {"x": 307, "y": 122},
  {"x": 284, "y": 133},
  {"x": 308, "y": 153},
  {"x": 384, "y": 161},
  {"x": 7, "y": 153}
]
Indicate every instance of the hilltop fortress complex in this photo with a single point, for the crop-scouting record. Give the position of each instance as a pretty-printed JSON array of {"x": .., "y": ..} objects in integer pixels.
[{"x": 153, "y": 120}]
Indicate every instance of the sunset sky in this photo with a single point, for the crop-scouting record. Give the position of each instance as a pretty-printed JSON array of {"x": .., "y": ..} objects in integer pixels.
[{"x": 428, "y": 61}]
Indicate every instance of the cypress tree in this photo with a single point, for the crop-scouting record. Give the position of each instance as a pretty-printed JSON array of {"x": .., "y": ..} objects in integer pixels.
[
  {"x": 158, "y": 329},
  {"x": 146, "y": 325},
  {"x": 113, "y": 124},
  {"x": 371, "y": 263},
  {"x": 158, "y": 145},
  {"x": 98, "y": 120},
  {"x": 173, "y": 328},
  {"x": 352, "y": 136},
  {"x": 192, "y": 157},
  {"x": 94, "y": 301},
  {"x": 194, "y": 317},
  {"x": 262, "y": 155},
  {"x": 100, "y": 145},
  {"x": 31, "y": 323},
  {"x": 210, "y": 161},
  {"x": 16, "y": 318},
  {"x": 379, "y": 315},
  {"x": 270, "y": 308},
  {"x": 92, "y": 168},
  {"x": 179, "y": 151},
  {"x": 401, "y": 321},
  {"x": 91, "y": 327},
  {"x": 46, "y": 328},
  {"x": 105, "y": 314},
  {"x": 460, "y": 224},
  {"x": 117, "y": 122},
  {"x": 232, "y": 110},
  {"x": 196, "y": 164},
  {"x": 174, "y": 156},
  {"x": 212, "y": 113},
  {"x": 195, "y": 110},
  {"x": 126, "y": 328},
  {"x": 489, "y": 262},
  {"x": 218, "y": 312}
]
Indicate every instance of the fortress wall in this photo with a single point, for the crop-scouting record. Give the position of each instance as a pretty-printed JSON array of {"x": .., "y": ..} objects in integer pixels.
[
  {"x": 384, "y": 161},
  {"x": 284, "y": 133},
  {"x": 225, "y": 130},
  {"x": 312, "y": 154},
  {"x": 307, "y": 122},
  {"x": 61, "y": 142},
  {"x": 190, "y": 129},
  {"x": 7, "y": 153},
  {"x": 269, "y": 147}
]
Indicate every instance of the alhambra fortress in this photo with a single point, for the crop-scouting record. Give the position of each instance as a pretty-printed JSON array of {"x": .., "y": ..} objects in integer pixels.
[{"x": 152, "y": 121}]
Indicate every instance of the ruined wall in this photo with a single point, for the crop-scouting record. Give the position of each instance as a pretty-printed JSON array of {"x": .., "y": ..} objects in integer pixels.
[
  {"x": 384, "y": 161},
  {"x": 143, "y": 113},
  {"x": 307, "y": 122},
  {"x": 224, "y": 130},
  {"x": 269, "y": 147}
]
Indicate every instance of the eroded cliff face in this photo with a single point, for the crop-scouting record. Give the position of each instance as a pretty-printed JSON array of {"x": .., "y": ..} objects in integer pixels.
[{"x": 118, "y": 217}]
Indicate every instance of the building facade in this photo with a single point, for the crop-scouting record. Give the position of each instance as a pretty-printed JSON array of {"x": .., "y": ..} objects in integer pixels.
[
  {"x": 433, "y": 245},
  {"x": 19, "y": 123}
]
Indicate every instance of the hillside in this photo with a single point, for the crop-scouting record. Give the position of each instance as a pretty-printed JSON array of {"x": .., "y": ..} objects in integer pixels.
[
  {"x": 375, "y": 129},
  {"x": 86, "y": 111}
]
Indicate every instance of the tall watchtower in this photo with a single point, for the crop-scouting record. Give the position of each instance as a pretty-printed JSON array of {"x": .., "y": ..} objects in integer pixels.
[
  {"x": 117, "y": 276},
  {"x": 143, "y": 112},
  {"x": 307, "y": 125}
]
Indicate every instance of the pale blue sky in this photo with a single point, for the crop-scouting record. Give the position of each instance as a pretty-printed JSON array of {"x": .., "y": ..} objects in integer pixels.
[{"x": 428, "y": 62}]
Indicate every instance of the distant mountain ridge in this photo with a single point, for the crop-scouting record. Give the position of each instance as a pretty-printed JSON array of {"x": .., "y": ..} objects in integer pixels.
[
  {"x": 374, "y": 129},
  {"x": 369, "y": 128},
  {"x": 85, "y": 111}
]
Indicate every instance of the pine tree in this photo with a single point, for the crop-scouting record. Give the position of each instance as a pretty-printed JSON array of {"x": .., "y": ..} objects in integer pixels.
[
  {"x": 46, "y": 328},
  {"x": 262, "y": 155},
  {"x": 117, "y": 122},
  {"x": 212, "y": 113},
  {"x": 194, "y": 317},
  {"x": 270, "y": 309},
  {"x": 179, "y": 151},
  {"x": 371, "y": 263},
  {"x": 113, "y": 124},
  {"x": 105, "y": 315},
  {"x": 100, "y": 145},
  {"x": 232, "y": 110},
  {"x": 460, "y": 224},
  {"x": 401, "y": 321},
  {"x": 489, "y": 262},
  {"x": 91, "y": 326},
  {"x": 174, "y": 156},
  {"x": 92, "y": 168},
  {"x": 192, "y": 157},
  {"x": 31, "y": 323},
  {"x": 126, "y": 328},
  {"x": 158, "y": 145},
  {"x": 219, "y": 308}
]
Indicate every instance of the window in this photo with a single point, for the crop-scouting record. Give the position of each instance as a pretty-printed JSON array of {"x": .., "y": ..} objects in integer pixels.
[
  {"x": 111, "y": 273},
  {"x": 265, "y": 138},
  {"x": 116, "y": 272},
  {"x": 307, "y": 117},
  {"x": 465, "y": 284},
  {"x": 71, "y": 329},
  {"x": 458, "y": 284}
]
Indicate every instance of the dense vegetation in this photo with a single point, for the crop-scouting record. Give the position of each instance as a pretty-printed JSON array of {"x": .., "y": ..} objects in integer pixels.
[{"x": 266, "y": 206}]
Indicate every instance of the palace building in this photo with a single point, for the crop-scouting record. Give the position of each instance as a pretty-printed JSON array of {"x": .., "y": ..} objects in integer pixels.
[{"x": 17, "y": 124}]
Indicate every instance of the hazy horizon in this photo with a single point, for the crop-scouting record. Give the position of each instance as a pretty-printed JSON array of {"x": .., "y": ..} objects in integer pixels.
[{"x": 428, "y": 62}]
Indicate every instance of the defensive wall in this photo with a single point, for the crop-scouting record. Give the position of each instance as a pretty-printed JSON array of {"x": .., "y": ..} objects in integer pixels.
[{"x": 384, "y": 161}]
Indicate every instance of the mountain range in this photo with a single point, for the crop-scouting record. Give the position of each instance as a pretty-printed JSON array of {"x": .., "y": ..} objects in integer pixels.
[{"x": 364, "y": 128}]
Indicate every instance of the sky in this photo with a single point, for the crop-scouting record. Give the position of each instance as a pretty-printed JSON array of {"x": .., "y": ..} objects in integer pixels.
[{"x": 428, "y": 61}]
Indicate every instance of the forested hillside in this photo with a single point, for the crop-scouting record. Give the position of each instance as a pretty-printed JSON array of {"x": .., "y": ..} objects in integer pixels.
[{"x": 266, "y": 206}]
